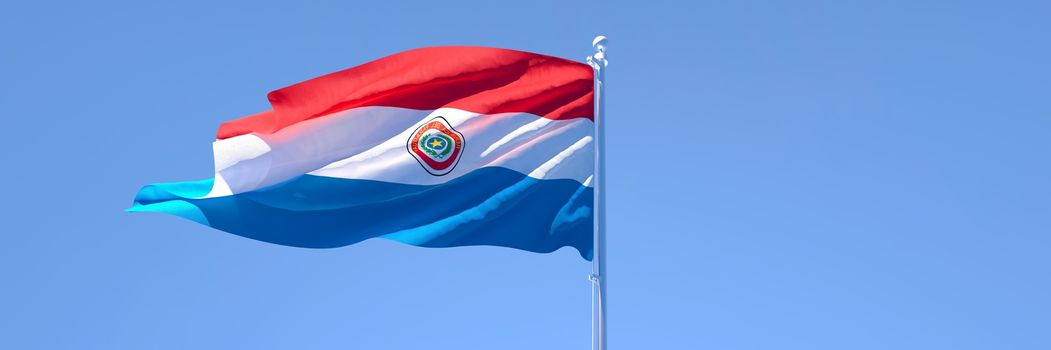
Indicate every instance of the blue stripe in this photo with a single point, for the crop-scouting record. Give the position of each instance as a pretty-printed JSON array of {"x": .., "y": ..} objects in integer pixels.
[{"x": 489, "y": 206}]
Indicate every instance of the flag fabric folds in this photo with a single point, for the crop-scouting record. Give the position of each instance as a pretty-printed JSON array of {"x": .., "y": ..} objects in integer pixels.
[{"x": 434, "y": 147}]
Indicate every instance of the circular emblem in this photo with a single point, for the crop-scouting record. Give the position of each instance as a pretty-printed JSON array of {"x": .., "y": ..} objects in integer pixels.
[{"x": 437, "y": 146}]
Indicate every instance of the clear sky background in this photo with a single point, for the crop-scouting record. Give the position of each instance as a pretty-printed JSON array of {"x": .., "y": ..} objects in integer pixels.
[{"x": 782, "y": 175}]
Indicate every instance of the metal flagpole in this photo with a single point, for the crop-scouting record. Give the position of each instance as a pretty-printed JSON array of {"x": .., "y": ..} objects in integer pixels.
[{"x": 598, "y": 269}]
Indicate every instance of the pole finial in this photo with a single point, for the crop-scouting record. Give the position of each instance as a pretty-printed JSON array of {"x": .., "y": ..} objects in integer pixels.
[
  {"x": 600, "y": 43},
  {"x": 598, "y": 60}
]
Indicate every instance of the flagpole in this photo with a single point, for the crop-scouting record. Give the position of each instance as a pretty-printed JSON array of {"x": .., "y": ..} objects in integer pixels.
[{"x": 598, "y": 62}]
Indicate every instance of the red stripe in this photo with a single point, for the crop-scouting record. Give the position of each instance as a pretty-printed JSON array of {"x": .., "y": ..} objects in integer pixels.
[{"x": 477, "y": 79}]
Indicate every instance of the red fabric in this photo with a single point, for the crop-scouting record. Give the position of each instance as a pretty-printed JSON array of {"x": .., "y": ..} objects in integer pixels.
[{"x": 477, "y": 79}]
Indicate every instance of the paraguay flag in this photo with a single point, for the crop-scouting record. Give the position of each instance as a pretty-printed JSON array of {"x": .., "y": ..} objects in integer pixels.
[{"x": 434, "y": 147}]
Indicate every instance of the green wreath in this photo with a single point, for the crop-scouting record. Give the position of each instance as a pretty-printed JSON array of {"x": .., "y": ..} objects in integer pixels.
[{"x": 426, "y": 148}]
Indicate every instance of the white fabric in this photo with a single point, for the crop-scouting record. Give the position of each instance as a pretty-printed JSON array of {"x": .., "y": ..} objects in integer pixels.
[{"x": 370, "y": 143}]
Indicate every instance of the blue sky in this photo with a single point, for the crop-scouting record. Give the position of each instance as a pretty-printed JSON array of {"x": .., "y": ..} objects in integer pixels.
[{"x": 782, "y": 175}]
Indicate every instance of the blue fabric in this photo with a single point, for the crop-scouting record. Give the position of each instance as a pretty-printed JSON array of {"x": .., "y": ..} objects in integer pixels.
[{"x": 489, "y": 206}]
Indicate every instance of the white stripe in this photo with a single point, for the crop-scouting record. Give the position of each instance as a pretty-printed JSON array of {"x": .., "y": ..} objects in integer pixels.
[
  {"x": 562, "y": 159},
  {"x": 370, "y": 143},
  {"x": 525, "y": 129}
]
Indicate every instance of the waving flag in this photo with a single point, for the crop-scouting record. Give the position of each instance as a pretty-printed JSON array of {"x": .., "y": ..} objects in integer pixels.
[{"x": 434, "y": 147}]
